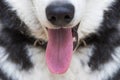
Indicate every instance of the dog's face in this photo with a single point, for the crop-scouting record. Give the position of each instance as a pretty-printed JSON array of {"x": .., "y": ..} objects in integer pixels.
[{"x": 60, "y": 22}]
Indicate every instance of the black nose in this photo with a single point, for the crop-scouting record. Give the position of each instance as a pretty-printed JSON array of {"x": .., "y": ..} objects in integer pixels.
[{"x": 60, "y": 14}]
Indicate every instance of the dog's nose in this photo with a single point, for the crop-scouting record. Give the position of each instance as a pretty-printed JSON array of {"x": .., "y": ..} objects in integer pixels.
[{"x": 60, "y": 14}]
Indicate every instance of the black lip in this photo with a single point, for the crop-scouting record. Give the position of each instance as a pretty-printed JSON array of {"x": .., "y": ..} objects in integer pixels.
[{"x": 75, "y": 35}]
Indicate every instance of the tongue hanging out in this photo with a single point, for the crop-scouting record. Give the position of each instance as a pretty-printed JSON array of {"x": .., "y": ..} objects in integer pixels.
[{"x": 59, "y": 50}]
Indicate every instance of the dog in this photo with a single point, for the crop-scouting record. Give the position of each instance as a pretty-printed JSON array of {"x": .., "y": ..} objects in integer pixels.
[{"x": 59, "y": 40}]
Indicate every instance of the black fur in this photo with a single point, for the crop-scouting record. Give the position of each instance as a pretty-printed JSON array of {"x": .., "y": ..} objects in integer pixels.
[
  {"x": 15, "y": 37},
  {"x": 107, "y": 38},
  {"x": 13, "y": 41}
]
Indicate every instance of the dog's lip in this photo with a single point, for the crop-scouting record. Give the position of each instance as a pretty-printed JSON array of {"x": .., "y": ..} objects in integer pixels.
[
  {"x": 75, "y": 35},
  {"x": 74, "y": 29}
]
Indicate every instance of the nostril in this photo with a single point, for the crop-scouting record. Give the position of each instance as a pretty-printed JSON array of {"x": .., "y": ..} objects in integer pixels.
[
  {"x": 60, "y": 14},
  {"x": 52, "y": 19},
  {"x": 67, "y": 18}
]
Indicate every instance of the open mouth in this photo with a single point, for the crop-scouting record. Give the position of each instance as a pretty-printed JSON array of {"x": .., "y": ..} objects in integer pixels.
[{"x": 61, "y": 43}]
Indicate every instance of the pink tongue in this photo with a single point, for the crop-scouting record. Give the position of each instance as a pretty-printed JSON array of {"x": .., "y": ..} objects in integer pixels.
[{"x": 59, "y": 50}]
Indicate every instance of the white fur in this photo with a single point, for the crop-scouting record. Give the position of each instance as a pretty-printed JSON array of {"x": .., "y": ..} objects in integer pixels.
[
  {"x": 25, "y": 10},
  {"x": 5, "y": 65},
  {"x": 77, "y": 70},
  {"x": 40, "y": 70},
  {"x": 93, "y": 16}
]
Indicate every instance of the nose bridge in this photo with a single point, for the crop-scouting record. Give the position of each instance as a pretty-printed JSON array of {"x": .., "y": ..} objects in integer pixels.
[{"x": 60, "y": 13}]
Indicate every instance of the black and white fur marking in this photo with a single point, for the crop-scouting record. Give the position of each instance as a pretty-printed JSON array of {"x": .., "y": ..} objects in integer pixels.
[{"x": 22, "y": 22}]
